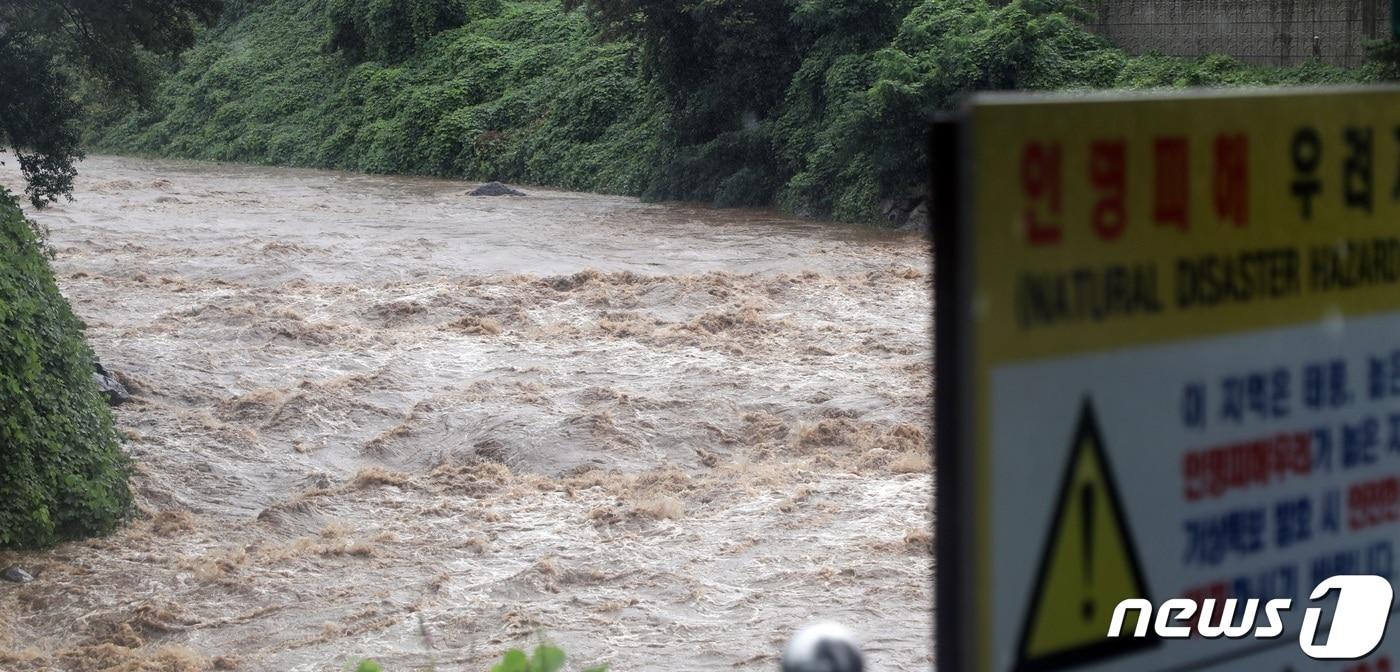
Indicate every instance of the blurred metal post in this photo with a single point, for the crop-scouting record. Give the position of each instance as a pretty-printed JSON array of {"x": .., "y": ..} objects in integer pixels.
[{"x": 823, "y": 647}]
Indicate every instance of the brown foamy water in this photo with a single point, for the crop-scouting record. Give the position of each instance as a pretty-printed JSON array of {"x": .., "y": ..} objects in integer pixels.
[{"x": 376, "y": 417}]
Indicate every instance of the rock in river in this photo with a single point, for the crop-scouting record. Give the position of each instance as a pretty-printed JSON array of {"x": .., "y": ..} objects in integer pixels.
[
  {"x": 14, "y": 574},
  {"x": 495, "y": 189},
  {"x": 112, "y": 389}
]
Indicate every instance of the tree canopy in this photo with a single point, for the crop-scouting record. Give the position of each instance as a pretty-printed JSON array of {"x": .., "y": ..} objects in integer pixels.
[{"x": 42, "y": 42}]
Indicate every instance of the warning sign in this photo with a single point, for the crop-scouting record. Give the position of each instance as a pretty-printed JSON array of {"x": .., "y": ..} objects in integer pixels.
[
  {"x": 1088, "y": 565},
  {"x": 1169, "y": 359}
]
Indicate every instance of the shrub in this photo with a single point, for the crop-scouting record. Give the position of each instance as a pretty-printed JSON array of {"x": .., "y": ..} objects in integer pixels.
[
  {"x": 545, "y": 659},
  {"x": 62, "y": 474}
]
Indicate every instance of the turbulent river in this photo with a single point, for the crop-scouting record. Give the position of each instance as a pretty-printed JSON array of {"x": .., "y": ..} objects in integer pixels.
[{"x": 377, "y": 417}]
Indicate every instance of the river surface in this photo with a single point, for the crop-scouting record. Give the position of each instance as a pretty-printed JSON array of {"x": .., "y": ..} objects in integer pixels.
[{"x": 377, "y": 417}]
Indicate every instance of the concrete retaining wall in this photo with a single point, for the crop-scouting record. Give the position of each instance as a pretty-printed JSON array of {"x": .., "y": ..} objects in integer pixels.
[{"x": 1266, "y": 32}]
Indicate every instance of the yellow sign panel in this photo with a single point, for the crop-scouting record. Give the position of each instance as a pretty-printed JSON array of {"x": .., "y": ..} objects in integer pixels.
[
  {"x": 1147, "y": 220},
  {"x": 1089, "y": 564},
  {"x": 1135, "y": 249}
]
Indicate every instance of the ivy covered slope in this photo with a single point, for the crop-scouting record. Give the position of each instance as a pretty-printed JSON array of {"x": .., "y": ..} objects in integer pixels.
[
  {"x": 818, "y": 106},
  {"x": 62, "y": 474},
  {"x": 522, "y": 92}
]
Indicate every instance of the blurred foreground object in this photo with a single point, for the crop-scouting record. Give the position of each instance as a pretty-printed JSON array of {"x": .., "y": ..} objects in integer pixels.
[{"x": 824, "y": 647}]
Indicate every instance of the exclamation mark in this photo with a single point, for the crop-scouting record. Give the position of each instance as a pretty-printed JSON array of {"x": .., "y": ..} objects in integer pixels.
[{"x": 1086, "y": 511}]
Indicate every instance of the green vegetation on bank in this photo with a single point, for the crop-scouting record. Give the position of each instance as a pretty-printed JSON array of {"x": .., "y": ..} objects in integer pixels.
[
  {"x": 62, "y": 474},
  {"x": 818, "y": 106},
  {"x": 527, "y": 94}
]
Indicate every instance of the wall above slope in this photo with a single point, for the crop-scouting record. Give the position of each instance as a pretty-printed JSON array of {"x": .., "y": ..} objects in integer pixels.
[{"x": 1261, "y": 32}]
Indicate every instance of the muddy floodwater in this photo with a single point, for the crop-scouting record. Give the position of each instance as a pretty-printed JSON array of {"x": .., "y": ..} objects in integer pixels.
[{"x": 377, "y": 417}]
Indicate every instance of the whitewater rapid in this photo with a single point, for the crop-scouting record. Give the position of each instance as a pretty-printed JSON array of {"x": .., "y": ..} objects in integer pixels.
[{"x": 376, "y": 417}]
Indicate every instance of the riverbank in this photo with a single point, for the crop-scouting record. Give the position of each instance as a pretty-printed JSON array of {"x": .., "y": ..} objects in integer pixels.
[{"x": 526, "y": 92}]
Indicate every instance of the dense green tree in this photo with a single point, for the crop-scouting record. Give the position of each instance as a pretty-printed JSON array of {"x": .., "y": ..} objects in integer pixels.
[
  {"x": 41, "y": 40},
  {"x": 724, "y": 63},
  {"x": 39, "y": 120},
  {"x": 391, "y": 30},
  {"x": 725, "y": 67}
]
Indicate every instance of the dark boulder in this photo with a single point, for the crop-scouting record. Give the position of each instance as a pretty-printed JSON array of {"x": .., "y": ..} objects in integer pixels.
[
  {"x": 908, "y": 211},
  {"x": 14, "y": 574},
  {"x": 495, "y": 189},
  {"x": 917, "y": 219},
  {"x": 112, "y": 389}
]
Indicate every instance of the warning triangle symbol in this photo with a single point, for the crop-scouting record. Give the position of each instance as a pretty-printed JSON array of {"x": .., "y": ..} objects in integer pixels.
[{"x": 1088, "y": 564}]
